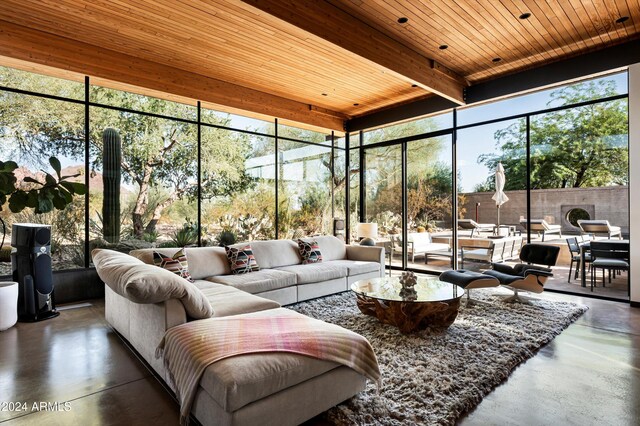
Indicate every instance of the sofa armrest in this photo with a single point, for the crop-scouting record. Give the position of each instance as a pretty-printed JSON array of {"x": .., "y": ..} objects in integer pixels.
[{"x": 366, "y": 254}]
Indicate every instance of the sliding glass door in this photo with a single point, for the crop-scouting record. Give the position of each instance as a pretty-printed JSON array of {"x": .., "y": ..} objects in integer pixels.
[
  {"x": 383, "y": 197},
  {"x": 429, "y": 192}
]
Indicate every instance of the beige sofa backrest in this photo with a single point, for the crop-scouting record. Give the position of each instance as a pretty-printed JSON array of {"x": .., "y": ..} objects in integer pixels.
[
  {"x": 332, "y": 248},
  {"x": 203, "y": 261},
  {"x": 274, "y": 253}
]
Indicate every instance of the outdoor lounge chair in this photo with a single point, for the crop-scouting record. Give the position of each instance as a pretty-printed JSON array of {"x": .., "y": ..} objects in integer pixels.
[
  {"x": 527, "y": 276},
  {"x": 599, "y": 227},
  {"x": 470, "y": 224},
  {"x": 542, "y": 227}
]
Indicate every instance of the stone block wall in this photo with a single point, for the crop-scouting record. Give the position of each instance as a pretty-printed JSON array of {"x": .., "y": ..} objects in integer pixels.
[{"x": 610, "y": 203}]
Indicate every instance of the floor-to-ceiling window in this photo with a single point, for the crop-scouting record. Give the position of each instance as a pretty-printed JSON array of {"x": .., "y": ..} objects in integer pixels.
[
  {"x": 32, "y": 129},
  {"x": 429, "y": 203},
  {"x": 481, "y": 151},
  {"x": 563, "y": 153},
  {"x": 410, "y": 164},
  {"x": 164, "y": 173},
  {"x": 383, "y": 196}
]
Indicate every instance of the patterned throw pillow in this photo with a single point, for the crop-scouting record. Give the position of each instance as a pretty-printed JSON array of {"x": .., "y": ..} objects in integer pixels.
[
  {"x": 310, "y": 252},
  {"x": 241, "y": 260},
  {"x": 176, "y": 264}
]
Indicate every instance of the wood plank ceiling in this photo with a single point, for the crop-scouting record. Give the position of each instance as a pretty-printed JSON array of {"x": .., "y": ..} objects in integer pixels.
[
  {"x": 251, "y": 45},
  {"x": 478, "y": 31}
]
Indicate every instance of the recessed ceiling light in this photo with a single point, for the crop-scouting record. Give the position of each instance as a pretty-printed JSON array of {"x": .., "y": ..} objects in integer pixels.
[
  {"x": 403, "y": 20},
  {"x": 622, "y": 19},
  {"x": 356, "y": 104},
  {"x": 525, "y": 15},
  {"x": 496, "y": 59},
  {"x": 414, "y": 85},
  {"x": 443, "y": 46},
  {"x": 324, "y": 94}
]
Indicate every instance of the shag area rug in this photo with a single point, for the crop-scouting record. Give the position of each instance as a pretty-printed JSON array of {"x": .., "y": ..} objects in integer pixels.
[{"x": 433, "y": 377}]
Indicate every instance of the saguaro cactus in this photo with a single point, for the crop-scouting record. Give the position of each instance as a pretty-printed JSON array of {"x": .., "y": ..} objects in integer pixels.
[{"x": 111, "y": 175}]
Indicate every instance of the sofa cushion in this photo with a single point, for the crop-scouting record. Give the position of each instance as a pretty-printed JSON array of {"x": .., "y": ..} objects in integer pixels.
[
  {"x": 274, "y": 253},
  {"x": 356, "y": 267},
  {"x": 316, "y": 272},
  {"x": 332, "y": 248},
  {"x": 310, "y": 252},
  {"x": 142, "y": 283},
  {"x": 176, "y": 264},
  {"x": 226, "y": 300},
  {"x": 241, "y": 260},
  {"x": 257, "y": 282},
  {"x": 203, "y": 261},
  {"x": 237, "y": 381}
]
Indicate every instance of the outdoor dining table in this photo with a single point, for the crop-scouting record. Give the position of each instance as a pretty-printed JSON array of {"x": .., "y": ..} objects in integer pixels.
[{"x": 585, "y": 247}]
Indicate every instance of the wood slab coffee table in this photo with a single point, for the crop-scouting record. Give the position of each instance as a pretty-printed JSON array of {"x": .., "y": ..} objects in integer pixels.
[{"x": 435, "y": 303}]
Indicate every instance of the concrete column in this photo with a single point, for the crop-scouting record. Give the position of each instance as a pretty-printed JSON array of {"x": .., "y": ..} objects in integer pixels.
[{"x": 634, "y": 180}]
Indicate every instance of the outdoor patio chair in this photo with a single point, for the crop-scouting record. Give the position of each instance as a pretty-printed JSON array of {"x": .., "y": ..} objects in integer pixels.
[
  {"x": 612, "y": 256},
  {"x": 599, "y": 228},
  {"x": 540, "y": 226},
  {"x": 470, "y": 224},
  {"x": 527, "y": 276},
  {"x": 574, "y": 250}
]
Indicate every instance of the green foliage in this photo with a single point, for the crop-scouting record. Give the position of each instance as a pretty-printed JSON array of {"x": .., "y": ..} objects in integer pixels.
[
  {"x": 186, "y": 236},
  {"x": 157, "y": 153},
  {"x": 571, "y": 148},
  {"x": 166, "y": 244},
  {"x": 54, "y": 193},
  {"x": 151, "y": 237},
  {"x": 226, "y": 238}
]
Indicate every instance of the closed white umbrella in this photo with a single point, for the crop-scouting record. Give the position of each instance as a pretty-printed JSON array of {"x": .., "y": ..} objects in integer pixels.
[{"x": 500, "y": 197}]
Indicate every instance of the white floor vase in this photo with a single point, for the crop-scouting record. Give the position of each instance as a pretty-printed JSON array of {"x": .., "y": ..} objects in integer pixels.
[{"x": 8, "y": 304}]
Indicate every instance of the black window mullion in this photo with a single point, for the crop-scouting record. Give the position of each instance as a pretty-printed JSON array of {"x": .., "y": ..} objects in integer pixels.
[
  {"x": 87, "y": 255},
  {"x": 199, "y": 178}
]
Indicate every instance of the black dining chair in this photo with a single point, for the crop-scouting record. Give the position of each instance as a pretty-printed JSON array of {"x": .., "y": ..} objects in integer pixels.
[
  {"x": 611, "y": 256},
  {"x": 574, "y": 249}
]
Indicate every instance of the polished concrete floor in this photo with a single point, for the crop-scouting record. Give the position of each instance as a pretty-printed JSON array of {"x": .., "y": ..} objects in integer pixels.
[{"x": 589, "y": 375}]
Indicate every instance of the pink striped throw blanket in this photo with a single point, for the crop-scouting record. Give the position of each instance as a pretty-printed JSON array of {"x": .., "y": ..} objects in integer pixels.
[{"x": 190, "y": 348}]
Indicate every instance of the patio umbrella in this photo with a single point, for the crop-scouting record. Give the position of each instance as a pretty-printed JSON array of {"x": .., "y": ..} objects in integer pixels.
[{"x": 500, "y": 197}]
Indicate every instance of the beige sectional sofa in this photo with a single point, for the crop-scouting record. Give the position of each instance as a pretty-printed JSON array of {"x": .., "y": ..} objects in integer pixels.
[{"x": 272, "y": 388}]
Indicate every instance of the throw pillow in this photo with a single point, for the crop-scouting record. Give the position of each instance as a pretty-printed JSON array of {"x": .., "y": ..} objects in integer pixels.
[
  {"x": 177, "y": 263},
  {"x": 310, "y": 252},
  {"x": 241, "y": 260}
]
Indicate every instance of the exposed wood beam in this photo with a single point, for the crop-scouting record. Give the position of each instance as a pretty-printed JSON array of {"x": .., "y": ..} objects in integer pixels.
[
  {"x": 51, "y": 50},
  {"x": 336, "y": 26}
]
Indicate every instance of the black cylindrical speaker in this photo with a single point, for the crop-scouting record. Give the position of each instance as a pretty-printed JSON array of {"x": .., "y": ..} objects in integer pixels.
[{"x": 31, "y": 264}]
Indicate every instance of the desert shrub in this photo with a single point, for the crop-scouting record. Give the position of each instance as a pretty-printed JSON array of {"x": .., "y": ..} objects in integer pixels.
[
  {"x": 150, "y": 237},
  {"x": 226, "y": 238},
  {"x": 185, "y": 236}
]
